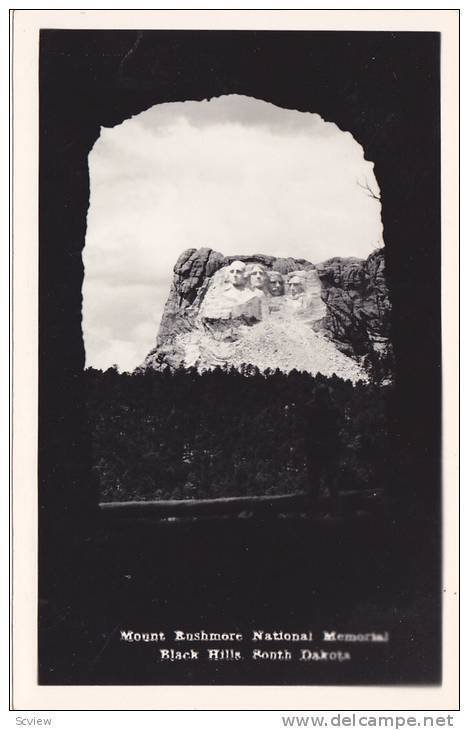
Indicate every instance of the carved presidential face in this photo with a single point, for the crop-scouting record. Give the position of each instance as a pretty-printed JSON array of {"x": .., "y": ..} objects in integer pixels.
[
  {"x": 257, "y": 277},
  {"x": 276, "y": 285},
  {"x": 295, "y": 287},
  {"x": 236, "y": 274}
]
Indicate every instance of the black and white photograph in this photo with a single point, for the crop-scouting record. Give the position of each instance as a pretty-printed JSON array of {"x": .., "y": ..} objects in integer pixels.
[{"x": 240, "y": 372}]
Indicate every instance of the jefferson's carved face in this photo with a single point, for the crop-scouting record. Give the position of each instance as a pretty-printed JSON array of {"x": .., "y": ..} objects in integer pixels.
[
  {"x": 236, "y": 274},
  {"x": 276, "y": 286},
  {"x": 295, "y": 287},
  {"x": 258, "y": 277}
]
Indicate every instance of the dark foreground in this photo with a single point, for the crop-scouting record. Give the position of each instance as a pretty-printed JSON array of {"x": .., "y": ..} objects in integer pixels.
[{"x": 292, "y": 573}]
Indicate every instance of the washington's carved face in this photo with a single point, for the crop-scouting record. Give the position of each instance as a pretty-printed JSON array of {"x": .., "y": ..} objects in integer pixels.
[
  {"x": 276, "y": 285},
  {"x": 236, "y": 274},
  {"x": 257, "y": 277},
  {"x": 295, "y": 287}
]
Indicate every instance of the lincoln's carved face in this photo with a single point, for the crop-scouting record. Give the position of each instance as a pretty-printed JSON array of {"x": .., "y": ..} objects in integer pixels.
[
  {"x": 257, "y": 277},
  {"x": 295, "y": 287},
  {"x": 276, "y": 285},
  {"x": 236, "y": 274}
]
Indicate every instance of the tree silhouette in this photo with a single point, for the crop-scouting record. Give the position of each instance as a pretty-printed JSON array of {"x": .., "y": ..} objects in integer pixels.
[{"x": 186, "y": 435}]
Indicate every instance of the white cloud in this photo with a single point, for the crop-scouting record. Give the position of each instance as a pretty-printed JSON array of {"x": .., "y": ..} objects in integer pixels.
[{"x": 235, "y": 174}]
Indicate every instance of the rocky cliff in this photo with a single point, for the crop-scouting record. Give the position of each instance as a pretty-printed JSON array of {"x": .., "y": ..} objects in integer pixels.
[
  {"x": 274, "y": 312},
  {"x": 358, "y": 316}
]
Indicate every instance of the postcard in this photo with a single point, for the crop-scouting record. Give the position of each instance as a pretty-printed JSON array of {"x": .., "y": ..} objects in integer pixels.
[{"x": 235, "y": 359}]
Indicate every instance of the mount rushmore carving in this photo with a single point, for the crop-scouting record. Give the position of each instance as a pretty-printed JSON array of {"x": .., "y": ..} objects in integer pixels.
[
  {"x": 274, "y": 313},
  {"x": 253, "y": 292}
]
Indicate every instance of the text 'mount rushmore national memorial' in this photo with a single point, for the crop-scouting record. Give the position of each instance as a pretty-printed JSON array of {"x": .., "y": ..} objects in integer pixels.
[{"x": 267, "y": 312}]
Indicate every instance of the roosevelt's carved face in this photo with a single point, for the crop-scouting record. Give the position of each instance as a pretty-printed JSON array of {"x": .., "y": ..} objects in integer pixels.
[
  {"x": 276, "y": 285},
  {"x": 236, "y": 274},
  {"x": 295, "y": 287},
  {"x": 258, "y": 277}
]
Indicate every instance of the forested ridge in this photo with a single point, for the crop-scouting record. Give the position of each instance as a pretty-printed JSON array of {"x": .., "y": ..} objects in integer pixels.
[{"x": 185, "y": 435}]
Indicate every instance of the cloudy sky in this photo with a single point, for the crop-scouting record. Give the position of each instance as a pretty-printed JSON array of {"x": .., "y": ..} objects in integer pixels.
[{"x": 235, "y": 174}]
